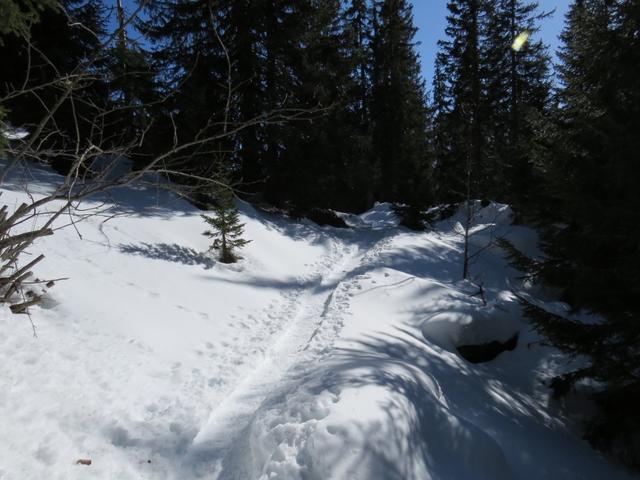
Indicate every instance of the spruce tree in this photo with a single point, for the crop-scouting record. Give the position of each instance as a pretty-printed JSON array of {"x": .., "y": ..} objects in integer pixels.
[
  {"x": 19, "y": 15},
  {"x": 588, "y": 164},
  {"x": 313, "y": 157},
  {"x": 358, "y": 28},
  {"x": 131, "y": 85},
  {"x": 486, "y": 96},
  {"x": 516, "y": 91},
  {"x": 226, "y": 229},
  {"x": 186, "y": 49},
  {"x": 243, "y": 31},
  {"x": 363, "y": 172},
  {"x": 279, "y": 36},
  {"x": 399, "y": 110},
  {"x": 459, "y": 113},
  {"x": 318, "y": 56}
]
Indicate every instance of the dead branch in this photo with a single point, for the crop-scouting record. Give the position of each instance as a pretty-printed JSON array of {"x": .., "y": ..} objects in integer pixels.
[{"x": 22, "y": 307}]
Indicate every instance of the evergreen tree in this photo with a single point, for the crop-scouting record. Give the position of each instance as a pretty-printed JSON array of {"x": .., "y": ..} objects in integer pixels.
[
  {"x": 399, "y": 111},
  {"x": 187, "y": 51},
  {"x": 459, "y": 113},
  {"x": 19, "y": 15},
  {"x": 589, "y": 166},
  {"x": 486, "y": 95},
  {"x": 516, "y": 91},
  {"x": 280, "y": 36},
  {"x": 308, "y": 54},
  {"x": 65, "y": 40},
  {"x": 363, "y": 172},
  {"x": 131, "y": 85},
  {"x": 313, "y": 166},
  {"x": 226, "y": 229},
  {"x": 243, "y": 36}
]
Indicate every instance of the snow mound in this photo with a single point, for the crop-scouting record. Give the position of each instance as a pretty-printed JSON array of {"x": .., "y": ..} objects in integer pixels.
[
  {"x": 493, "y": 214},
  {"x": 380, "y": 216},
  {"x": 14, "y": 133},
  {"x": 472, "y": 326}
]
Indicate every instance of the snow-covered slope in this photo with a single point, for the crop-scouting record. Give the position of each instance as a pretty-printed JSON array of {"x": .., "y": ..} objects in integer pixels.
[{"x": 323, "y": 354}]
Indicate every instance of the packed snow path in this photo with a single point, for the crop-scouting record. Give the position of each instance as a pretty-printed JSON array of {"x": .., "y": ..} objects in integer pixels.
[
  {"x": 325, "y": 354},
  {"x": 311, "y": 320}
]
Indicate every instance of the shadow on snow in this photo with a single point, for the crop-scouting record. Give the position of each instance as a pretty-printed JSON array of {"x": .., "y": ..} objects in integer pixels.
[{"x": 170, "y": 253}]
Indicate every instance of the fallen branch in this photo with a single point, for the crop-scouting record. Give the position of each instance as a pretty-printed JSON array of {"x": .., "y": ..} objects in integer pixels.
[{"x": 22, "y": 307}]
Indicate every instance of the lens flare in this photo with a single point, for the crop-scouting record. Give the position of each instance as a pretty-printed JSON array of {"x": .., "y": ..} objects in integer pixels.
[{"x": 521, "y": 40}]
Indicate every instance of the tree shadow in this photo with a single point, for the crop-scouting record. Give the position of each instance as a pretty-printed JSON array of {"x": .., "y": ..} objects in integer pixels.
[
  {"x": 169, "y": 253},
  {"x": 415, "y": 431},
  {"x": 258, "y": 281},
  {"x": 463, "y": 417},
  {"x": 150, "y": 196},
  {"x": 442, "y": 416},
  {"x": 147, "y": 200},
  {"x": 362, "y": 236}
]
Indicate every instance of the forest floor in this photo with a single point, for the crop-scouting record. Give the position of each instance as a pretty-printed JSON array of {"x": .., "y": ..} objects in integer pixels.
[{"x": 323, "y": 354}]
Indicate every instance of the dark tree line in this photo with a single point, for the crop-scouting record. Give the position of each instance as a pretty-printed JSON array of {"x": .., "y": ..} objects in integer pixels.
[
  {"x": 360, "y": 128},
  {"x": 187, "y": 67},
  {"x": 586, "y": 157},
  {"x": 352, "y": 62}
]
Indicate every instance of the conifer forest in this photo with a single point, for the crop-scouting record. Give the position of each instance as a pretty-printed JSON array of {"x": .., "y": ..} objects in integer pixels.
[{"x": 293, "y": 239}]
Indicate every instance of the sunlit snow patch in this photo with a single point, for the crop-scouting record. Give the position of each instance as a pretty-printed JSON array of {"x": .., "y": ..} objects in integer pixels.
[
  {"x": 379, "y": 216},
  {"x": 15, "y": 133}
]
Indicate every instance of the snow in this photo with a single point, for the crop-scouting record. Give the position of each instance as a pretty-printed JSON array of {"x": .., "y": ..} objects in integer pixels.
[
  {"x": 14, "y": 133},
  {"x": 381, "y": 215},
  {"x": 324, "y": 354}
]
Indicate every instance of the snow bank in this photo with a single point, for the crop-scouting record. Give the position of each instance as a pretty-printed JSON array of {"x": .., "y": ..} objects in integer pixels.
[
  {"x": 474, "y": 325},
  {"x": 491, "y": 214},
  {"x": 380, "y": 216}
]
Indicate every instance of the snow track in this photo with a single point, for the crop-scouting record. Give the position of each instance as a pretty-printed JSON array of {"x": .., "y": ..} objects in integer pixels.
[
  {"x": 311, "y": 321},
  {"x": 299, "y": 340}
]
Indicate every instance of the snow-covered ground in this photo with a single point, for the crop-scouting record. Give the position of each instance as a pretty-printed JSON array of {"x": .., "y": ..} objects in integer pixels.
[{"x": 323, "y": 354}]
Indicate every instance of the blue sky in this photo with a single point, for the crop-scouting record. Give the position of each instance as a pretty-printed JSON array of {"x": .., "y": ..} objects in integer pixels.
[{"x": 430, "y": 18}]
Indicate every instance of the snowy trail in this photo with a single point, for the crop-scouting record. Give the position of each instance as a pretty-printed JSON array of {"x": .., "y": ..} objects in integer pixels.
[
  {"x": 315, "y": 318},
  {"x": 306, "y": 311}
]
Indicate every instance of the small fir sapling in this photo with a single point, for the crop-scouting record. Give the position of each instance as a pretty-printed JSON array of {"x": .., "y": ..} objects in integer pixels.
[{"x": 226, "y": 229}]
